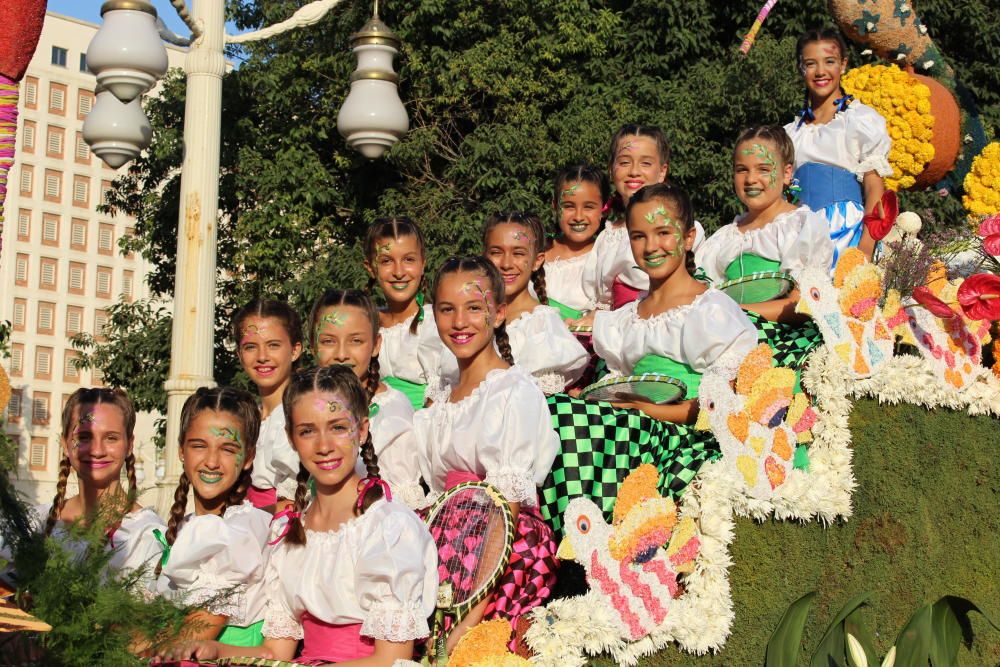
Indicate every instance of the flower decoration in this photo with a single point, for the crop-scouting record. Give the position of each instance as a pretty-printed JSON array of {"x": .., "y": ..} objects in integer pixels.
[
  {"x": 4, "y": 389},
  {"x": 979, "y": 296},
  {"x": 926, "y": 298},
  {"x": 905, "y": 104},
  {"x": 883, "y": 217},
  {"x": 982, "y": 183},
  {"x": 485, "y": 645},
  {"x": 989, "y": 230}
]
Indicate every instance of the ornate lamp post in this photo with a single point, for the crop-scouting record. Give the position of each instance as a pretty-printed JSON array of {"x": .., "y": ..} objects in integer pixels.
[{"x": 373, "y": 118}]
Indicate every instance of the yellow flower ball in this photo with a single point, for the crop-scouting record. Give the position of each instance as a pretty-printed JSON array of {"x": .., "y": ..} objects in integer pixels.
[{"x": 982, "y": 184}]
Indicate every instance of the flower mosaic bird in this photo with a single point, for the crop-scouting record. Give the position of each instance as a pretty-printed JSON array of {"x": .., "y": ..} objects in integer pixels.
[
  {"x": 759, "y": 423},
  {"x": 628, "y": 567},
  {"x": 846, "y": 311}
]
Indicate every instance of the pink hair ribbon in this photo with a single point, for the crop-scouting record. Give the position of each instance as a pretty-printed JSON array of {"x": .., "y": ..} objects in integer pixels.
[
  {"x": 365, "y": 485},
  {"x": 291, "y": 514},
  {"x": 752, "y": 35}
]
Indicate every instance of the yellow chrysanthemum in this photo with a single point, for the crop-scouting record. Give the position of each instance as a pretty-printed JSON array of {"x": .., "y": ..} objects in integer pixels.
[
  {"x": 982, "y": 183},
  {"x": 904, "y": 102}
]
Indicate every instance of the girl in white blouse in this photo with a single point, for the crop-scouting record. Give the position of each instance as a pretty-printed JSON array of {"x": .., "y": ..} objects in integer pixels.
[
  {"x": 841, "y": 145},
  {"x": 352, "y": 574},
  {"x": 409, "y": 356},
  {"x": 345, "y": 330},
  {"x": 493, "y": 425},
  {"x": 97, "y": 443},
  {"x": 214, "y": 558}
]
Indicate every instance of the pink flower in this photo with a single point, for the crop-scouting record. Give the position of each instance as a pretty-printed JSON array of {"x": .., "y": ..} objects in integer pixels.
[{"x": 979, "y": 295}]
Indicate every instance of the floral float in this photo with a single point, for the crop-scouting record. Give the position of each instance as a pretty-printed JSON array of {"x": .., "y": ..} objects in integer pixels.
[{"x": 982, "y": 185}]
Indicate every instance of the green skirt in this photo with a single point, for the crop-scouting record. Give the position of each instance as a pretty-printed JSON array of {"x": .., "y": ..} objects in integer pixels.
[
  {"x": 236, "y": 635},
  {"x": 565, "y": 311}
]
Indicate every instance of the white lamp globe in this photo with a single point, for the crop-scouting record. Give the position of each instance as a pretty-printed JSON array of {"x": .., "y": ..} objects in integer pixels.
[
  {"x": 116, "y": 132},
  {"x": 126, "y": 54},
  {"x": 373, "y": 117}
]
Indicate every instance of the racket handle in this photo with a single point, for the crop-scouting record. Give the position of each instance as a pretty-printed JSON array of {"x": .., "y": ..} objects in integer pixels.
[{"x": 440, "y": 639}]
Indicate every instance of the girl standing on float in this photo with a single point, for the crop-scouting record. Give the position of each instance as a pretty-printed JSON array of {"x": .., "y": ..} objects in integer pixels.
[
  {"x": 352, "y": 574},
  {"x": 581, "y": 195},
  {"x": 268, "y": 337},
  {"x": 841, "y": 145},
  {"x": 345, "y": 331},
  {"x": 410, "y": 353},
  {"x": 214, "y": 557},
  {"x": 680, "y": 329},
  {"x": 492, "y": 425},
  {"x": 97, "y": 441}
]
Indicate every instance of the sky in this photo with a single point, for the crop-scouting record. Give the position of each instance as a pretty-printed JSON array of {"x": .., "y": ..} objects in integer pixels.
[{"x": 90, "y": 10}]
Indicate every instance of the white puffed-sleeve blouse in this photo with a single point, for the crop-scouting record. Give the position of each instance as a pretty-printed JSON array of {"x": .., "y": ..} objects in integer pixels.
[
  {"x": 796, "y": 239},
  {"x": 501, "y": 432},
  {"x": 696, "y": 334},
  {"x": 378, "y": 569},
  {"x": 411, "y": 357},
  {"x": 855, "y": 139},
  {"x": 218, "y": 562},
  {"x": 275, "y": 463},
  {"x": 392, "y": 436}
]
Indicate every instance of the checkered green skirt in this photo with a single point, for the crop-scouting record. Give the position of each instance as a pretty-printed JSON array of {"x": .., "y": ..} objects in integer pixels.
[
  {"x": 600, "y": 445},
  {"x": 791, "y": 343}
]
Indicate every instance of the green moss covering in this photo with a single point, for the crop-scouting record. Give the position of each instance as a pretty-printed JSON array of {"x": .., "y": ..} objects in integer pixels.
[{"x": 925, "y": 524}]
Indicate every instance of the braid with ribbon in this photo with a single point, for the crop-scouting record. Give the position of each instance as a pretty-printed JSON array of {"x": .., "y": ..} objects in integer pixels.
[{"x": 177, "y": 511}]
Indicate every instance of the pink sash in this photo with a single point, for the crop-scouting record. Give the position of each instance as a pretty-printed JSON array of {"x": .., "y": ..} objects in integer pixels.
[
  {"x": 262, "y": 498},
  {"x": 456, "y": 477},
  {"x": 325, "y": 642},
  {"x": 622, "y": 294}
]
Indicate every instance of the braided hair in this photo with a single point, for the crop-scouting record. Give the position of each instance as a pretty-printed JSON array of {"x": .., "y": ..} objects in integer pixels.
[
  {"x": 264, "y": 308},
  {"x": 579, "y": 173},
  {"x": 483, "y": 267},
  {"x": 817, "y": 34},
  {"x": 75, "y": 406},
  {"x": 384, "y": 229},
  {"x": 533, "y": 224},
  {"x": 676, "y": 196},
  {"x": 355, "y": 299},
  {"x": 335, "y": 380},
  {"x": 243, "y": 407}
]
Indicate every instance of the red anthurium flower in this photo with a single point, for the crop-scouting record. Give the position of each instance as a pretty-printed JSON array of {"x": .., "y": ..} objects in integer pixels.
[
  {"x": 979, "y": 296},
  {"x": 928, "y": 300},
  {"x": 989, "y": 229},
  {"x": 883, "y": 216}
]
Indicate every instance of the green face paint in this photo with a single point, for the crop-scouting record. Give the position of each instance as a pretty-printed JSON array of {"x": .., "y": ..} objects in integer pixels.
[
  {"x": 334, "y": 318},
  {"x": 762, "y": 151},
  {"x": 571, "y": 190},
  {"x": 383, "y": 249},
  {"x": 230, "y": 433},
  {"x": 660, "y": 217}
]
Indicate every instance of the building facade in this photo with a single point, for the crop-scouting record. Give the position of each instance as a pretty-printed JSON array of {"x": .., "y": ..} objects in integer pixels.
[{"x": 61, "y": 267}]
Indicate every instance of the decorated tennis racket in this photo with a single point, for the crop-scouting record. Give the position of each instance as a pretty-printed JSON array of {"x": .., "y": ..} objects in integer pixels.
[
  {"x": 473, "y": 529},
  {"x": 649, "y": 388},
  {"x": 581, "y": 328},
  {"x": 758, "y": 287}
]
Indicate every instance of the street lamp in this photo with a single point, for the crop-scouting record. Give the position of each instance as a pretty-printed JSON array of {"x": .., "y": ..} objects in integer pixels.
[
  {"x": 373, "y": 117},
  {"x": 116, "y": 132},
  {"x": 126, "y": 54}
]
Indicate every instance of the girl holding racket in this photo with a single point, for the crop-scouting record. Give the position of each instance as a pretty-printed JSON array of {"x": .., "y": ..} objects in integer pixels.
[
  {"x": 351, "y": 574},
  {"x": 268, "y": 336},
  {"x": 492, "y": 425},
  {"x": 345, "y": 331},
  {"x": 841, "y": 145},
  {"x": 214, "y": 557},
  {"x": 772, "y": 237},
  {"x": 539, "y": 340},
  {"x": 411, "y": 349}
]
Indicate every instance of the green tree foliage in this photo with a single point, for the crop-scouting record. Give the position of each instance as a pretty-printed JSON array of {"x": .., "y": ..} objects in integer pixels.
[{"x": 500, "y": 94}]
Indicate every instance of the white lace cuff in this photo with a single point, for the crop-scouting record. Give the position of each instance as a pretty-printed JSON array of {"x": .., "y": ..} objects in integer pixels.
[
  {"x": 410, "y": 493},
  {"x": 517, "y": 486},
  {"x": 395, "y": 624},
  {"x": 550, "y": 383},
  {"x": 218, "y": 598},
  {"x": 876, "y": 163},
  {"x": 287, "y": 487},
  {"x": 279, "y": 625}
]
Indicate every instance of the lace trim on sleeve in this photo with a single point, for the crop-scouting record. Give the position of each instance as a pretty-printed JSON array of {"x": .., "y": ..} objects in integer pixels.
[
  {"x": 287, "y": 488},
  {"x": 279, "y": 625},
  {"x": 218, "y": 597},
  {"x": 517, "y": 486},
  {"x": 395, "y": 624},
  {"x": 410, "y": 493},
  {"x": 877, "y": 163},
  {"x": 550, "y": 383}
]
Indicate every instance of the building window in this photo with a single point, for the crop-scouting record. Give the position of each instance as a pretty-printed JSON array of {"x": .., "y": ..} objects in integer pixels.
[
  {"x": 17, "y": 359},
  {"x": 129, "y": 236},
  {"x": 70, "y": 372},
  {"x": 53, "y": 185},
  {"x": 27, "y": 177},
  {"x": 77, "y": 273},
  {"x": 20, "y": 314},
  {"x": 30, "y": 92},
  {"x": 47, "y": 276},
  {"x": 38, "y": 453},
  {"x": 59, "y": 56},
  {"x": 40, "y": 408},
  {"x": 96, "y": 377},
  {"x": 74, "y": 320},
  {"x": 105, "y": 190},
  {"x": 100, "y": 323},
  {"x": 24, "y": 225},
  {"x": 43, "y": 363},
  {"x": 46, "y": 317},
  {"x": 81, "y": 190},
  {"x": 82, "y": 149},
  {"x": 128, "y": 277},
  {"x": 50, "y": 229},
  {"x": 21, "y": 270},
  {"x": 78, "y": 234},
  {"x": 15, "y": 407},
  {"x": 84, "y": 103},
  {"x": 54, "y": 142},
  {"x": 57, "y": 98},
  {"x": 83, "y": 62},
  {"x": 28, "y": 137},
  {"x": 105, "y": 239},
  {"x": 104, "y": 282}
]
